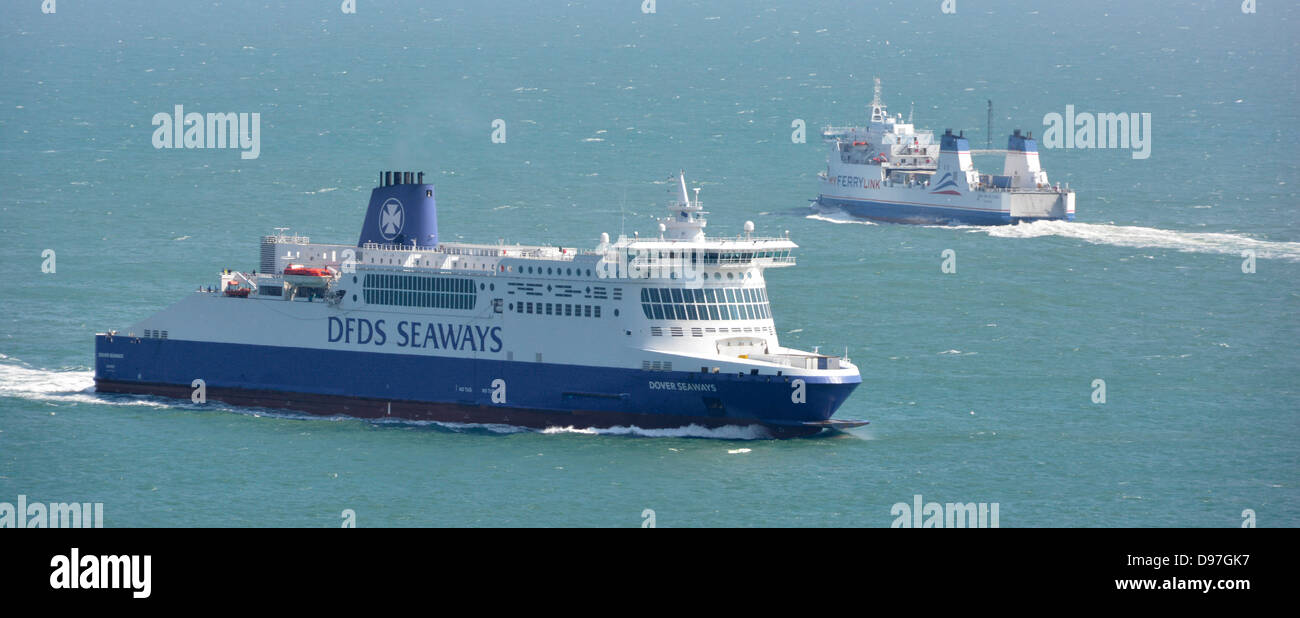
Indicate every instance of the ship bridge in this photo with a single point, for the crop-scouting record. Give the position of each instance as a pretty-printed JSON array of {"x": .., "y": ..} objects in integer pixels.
[
  {"x": 881, "y": 125},
  {"x": 683, "y": 251}
]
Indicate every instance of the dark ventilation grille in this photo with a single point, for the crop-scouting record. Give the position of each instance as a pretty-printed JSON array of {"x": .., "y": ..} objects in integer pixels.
[
  {"x": 419, "y": 291},
  {"x": 268, "y": 255}
]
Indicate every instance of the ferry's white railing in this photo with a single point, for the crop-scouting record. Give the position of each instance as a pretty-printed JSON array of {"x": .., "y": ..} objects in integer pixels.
[
  {"x": 297, "y": 240},
  {"x": 800, "y": 361},
  {"x": 724, "y": 259},
  {"x": 553, "y": 253},
  {"x": 374, "y": 246}
]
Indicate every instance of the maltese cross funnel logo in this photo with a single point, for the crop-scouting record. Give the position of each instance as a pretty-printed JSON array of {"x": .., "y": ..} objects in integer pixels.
[{"x": 391, "y": 218}]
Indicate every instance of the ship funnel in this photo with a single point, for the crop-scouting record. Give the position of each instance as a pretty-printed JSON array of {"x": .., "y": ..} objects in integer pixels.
[
  {"x": 1022, "y": 167},
  {"x": 401, "y": 212},
  {"x": 955, "y": 172}
]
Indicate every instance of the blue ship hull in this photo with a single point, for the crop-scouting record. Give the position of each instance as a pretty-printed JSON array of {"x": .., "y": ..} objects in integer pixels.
[
  {"x": 923, "y": 214},
  {"x": 538, "y": 395}
]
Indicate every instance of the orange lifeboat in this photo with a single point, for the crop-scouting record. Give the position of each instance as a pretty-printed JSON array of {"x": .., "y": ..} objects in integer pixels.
[{"x": 302, "y": 276}]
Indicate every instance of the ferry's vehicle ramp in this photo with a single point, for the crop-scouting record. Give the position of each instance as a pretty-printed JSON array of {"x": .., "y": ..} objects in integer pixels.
[
  {"x": 1029, "y": 205},
  {"x": 1032, "y": 194}
]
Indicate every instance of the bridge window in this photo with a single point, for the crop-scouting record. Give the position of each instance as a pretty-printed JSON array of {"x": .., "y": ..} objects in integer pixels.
[{"x": 705, "y": 304}]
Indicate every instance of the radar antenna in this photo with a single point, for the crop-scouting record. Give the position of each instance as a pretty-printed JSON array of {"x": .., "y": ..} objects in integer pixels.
[{"x": 877, "y": 107}]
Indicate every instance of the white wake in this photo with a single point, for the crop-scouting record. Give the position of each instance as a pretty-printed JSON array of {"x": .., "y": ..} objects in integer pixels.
[
  {"x": 832, "y": 216},
  {"x": 1144, "y": 237},
  {"x": 65, "y": 386},
  {"x": 1115, "y": 235}
]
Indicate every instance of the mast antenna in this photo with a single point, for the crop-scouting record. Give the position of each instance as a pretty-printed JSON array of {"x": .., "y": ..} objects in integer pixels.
[
  {"x": 989, "y": 138},
  {"x": 622, "y": 217}
]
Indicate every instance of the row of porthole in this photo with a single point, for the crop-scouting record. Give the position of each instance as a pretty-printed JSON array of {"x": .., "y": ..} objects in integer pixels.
[
  {"x": 706, "y": 275},
  {"x": 528, "y": 270},
  {"x": 730, "y": 275},
  {"x": 561, "y": 309}
]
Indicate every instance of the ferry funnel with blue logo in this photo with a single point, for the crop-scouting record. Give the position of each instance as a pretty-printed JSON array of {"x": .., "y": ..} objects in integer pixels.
[
  {"x": 402, "y": 212},
  {"x": 955, "y": 174}
]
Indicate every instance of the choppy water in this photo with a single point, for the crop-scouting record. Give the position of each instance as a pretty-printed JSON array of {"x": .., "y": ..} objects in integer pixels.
[{"x": 978, "y": 384}]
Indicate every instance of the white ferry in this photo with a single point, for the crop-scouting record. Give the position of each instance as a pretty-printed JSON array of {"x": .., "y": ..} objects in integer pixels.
[{"x": 890, "y": 171}]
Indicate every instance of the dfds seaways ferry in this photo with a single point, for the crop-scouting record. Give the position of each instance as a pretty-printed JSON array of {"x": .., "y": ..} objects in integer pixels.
[{"x": 660, "y": 332}]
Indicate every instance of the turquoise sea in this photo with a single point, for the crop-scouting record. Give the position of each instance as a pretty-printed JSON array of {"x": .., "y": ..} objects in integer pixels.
[{"x": 978, "y": 384}]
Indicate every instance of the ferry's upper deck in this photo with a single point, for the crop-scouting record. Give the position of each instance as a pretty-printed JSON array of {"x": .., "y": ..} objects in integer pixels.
[
  {"x": 883, "y": 133},
  {"x": 680, "y": 251},
  {"x": 674, "y": 296}
]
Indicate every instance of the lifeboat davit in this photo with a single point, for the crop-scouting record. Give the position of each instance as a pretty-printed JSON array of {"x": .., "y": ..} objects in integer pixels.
[{"x": 304, "y": 277}]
